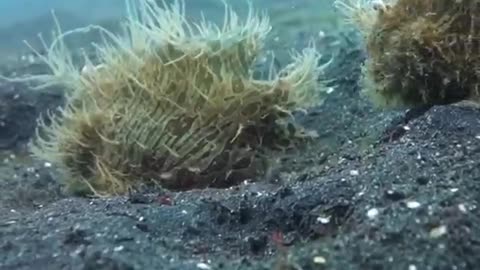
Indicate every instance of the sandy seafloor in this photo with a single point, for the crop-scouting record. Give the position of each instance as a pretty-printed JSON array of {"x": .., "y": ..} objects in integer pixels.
[{"x": 377, "y": 189}]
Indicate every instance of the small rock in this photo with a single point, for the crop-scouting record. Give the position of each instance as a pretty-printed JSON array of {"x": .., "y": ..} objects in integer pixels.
[
  {"x": 76, "y": 237},
  {"x": 422, "y": 180},
  {"x": 257, "y": 244},
  {"x": 142, "y": 226},
  {"x": 138, "y": 198},
  {"x": 394, "y": 195},
  {"x": 100, "y": 261},
  {"x": 7, "y": 246}
]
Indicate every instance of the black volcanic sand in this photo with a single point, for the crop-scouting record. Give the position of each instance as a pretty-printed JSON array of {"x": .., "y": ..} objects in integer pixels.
[{"x": 376, "y": 190}]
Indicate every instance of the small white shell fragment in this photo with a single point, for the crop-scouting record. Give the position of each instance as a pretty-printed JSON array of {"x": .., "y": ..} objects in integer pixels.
[
  {"x": 438, "y": 231},
  {"x": 354, "y": 172},
  {"x": 372, "y": 213},
  {"x": 319, "y": 260},
  {"x": 203, "y": 266},
  {"x": 462, "y": 208},
  {"x": 413, "y": 204},
  {"x": 324, "y": 220}
]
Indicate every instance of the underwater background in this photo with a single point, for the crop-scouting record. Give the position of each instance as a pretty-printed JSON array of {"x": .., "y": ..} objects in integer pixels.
[
  {"x": 375, "y": 189},
  {"x": 24, "y": 19}
]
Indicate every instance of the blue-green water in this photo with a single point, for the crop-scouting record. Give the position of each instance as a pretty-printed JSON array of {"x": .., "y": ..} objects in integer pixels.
[
  {"x": 24, "y": 19},
  {"x": 15, "y": 11}
]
